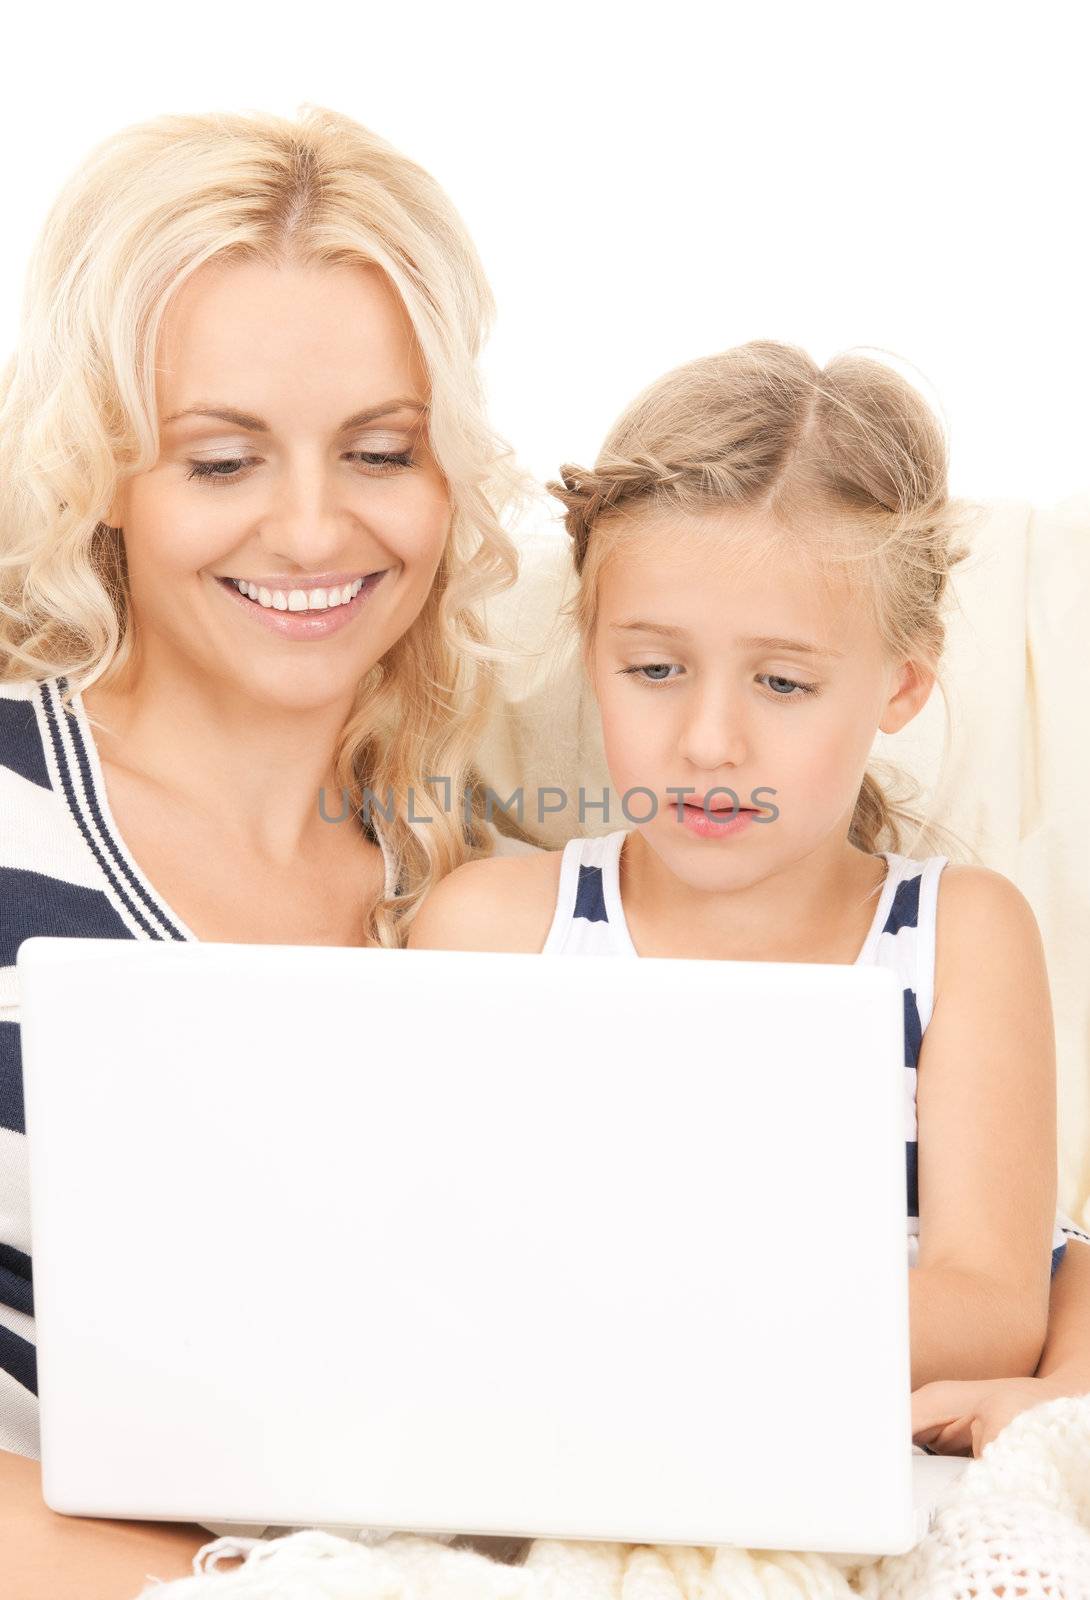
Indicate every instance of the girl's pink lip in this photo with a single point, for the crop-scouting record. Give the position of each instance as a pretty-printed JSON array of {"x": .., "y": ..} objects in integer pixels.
[
  {"x": 718, "y": 826},
  {"x": 303, "y": 624},
  {"x": 695, "y": 805}
]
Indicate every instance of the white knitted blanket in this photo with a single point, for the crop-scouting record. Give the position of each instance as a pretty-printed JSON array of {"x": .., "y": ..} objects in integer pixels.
[{"x": 1015, "y": 1523}]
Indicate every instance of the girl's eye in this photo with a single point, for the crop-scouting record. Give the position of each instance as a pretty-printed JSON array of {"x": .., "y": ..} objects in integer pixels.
[
  {"x": 654, "y": 667},
  {"x": 377, "y": 463},
  {"x": 804, "y": 688},
  {"x": 785, "y": 688}
]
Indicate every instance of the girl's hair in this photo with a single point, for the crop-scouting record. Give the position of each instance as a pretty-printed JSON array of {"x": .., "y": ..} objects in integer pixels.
[
  {"x": 147, "y": 208},
  {"x": 846, "y": 465}
]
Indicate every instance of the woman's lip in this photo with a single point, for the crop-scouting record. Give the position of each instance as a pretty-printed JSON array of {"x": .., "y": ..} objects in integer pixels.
[
  {"x": 304, "y": 625},
  {"x": 286, "y": 581}
]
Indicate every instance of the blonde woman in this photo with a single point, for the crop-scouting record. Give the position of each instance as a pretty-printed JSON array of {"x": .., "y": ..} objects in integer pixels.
[
  {"x": 249, "y": 505},
  {"x": 762, "y": 551}
]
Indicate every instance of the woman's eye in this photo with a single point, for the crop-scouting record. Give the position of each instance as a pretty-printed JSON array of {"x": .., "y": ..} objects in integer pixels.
[
  {"x": 384, "y": 460},
  {"x": 215, "y": 471},
  {"x": 377, "y": 463}
]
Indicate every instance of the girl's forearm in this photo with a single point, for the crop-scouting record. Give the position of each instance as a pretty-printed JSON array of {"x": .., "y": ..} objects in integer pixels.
[
  {"x": 1065, "y": 1359},
  {"x": 963, "y": 1325}
]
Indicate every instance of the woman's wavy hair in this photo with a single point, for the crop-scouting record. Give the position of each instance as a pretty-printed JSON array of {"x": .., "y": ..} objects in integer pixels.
[
  {"x": 148, "y": 207},
  {"x": 845, "y": 465}
]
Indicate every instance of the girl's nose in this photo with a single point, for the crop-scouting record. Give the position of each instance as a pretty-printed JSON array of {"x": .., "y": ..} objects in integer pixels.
[{"x": 714, "y": 735}]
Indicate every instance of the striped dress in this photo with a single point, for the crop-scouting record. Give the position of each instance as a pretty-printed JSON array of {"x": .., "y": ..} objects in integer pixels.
[
  {"x": 589, "y": 920},
  {"x": 64, "y": 871}
]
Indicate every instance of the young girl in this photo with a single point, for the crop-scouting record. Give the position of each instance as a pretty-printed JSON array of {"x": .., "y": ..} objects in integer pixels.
[{"x": 762, "y": 551}]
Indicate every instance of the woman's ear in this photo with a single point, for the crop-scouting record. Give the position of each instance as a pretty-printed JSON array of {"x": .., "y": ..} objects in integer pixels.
[
  {"x": 912, "y": 686},
  {"x": 115, "y": 516}
]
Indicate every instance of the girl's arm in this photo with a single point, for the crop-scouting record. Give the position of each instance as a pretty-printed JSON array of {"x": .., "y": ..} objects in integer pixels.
[
  {"x": 1065, "y": 1360},
  {"x": 961, "y": 1418},
  {"x": 497, "y": 903},
  {"x": 986, "y": 1103}
]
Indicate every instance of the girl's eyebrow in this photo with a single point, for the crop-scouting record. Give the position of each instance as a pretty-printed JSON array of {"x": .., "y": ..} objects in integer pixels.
[
  {"x": 760, "y": 641},
  {"x": 242, "y": 419}
]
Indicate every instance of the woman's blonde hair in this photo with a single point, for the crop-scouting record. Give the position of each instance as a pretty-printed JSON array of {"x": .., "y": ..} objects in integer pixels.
[
  {"x": 846, "y": 465},
  {"x": 147, "y": 208}
]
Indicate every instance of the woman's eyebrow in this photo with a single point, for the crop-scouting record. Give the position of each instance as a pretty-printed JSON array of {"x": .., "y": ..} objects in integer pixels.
[
  {"x": 761, "y": 641},
  {"x": 242, "y": 419}
]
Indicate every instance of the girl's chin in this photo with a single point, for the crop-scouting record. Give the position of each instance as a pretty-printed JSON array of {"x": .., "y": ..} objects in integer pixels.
[{"x": 708, "y": 864}]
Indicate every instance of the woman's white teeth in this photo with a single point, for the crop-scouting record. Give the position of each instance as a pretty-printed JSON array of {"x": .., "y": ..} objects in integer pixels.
[{"x": 299, "y": 599}]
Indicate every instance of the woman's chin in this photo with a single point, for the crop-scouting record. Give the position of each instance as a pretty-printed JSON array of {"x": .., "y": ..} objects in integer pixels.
[{"x": 297, "y": 689}]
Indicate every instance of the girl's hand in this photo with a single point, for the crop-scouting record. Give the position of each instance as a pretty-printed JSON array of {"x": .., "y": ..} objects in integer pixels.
[{"x": 958, "y": 1418}]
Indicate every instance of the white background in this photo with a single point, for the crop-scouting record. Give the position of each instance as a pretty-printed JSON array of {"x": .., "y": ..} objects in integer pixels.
[{"x": 647, "y": 184}]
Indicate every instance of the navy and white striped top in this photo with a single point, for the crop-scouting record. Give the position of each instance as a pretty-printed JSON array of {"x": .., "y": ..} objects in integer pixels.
[
  {"x": 64, "y": 871},
  {"x": 589, "y": 920}
]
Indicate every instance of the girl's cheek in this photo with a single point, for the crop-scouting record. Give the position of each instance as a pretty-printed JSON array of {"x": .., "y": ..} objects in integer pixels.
[{"x": 631, "y": 746}]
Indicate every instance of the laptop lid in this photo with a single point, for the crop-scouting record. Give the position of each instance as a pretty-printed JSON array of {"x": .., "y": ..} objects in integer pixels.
[{"x": 493, "y": 1243}]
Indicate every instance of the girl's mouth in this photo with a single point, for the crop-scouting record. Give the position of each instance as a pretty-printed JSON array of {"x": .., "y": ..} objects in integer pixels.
[{"x": 719, "y": 824}]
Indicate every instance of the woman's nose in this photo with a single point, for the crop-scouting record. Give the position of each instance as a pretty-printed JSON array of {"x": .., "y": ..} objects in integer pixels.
[
  {"x": 713, "y": 735},
  {"x": 308, "y": 526}
]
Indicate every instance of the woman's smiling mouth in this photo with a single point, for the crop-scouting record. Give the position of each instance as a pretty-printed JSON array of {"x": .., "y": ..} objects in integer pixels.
[
  {"x": 298, "y": 612},
  {"x": 297, "y": 599}
]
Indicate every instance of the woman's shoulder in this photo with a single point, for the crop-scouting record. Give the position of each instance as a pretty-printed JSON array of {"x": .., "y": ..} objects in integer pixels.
[
  {"x": 502, "y": 902},
  {"x": 28, "y": 733},
  {"x": 22, "y": 748},
  {"x": 26, "y": 689}
]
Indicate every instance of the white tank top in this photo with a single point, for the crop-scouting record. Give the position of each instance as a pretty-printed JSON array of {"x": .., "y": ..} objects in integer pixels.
[{"x": 589, "y": 920}]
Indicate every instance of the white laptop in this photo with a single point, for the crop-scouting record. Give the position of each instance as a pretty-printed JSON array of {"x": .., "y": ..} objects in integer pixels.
[{"x": 493, "y": 1244}]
